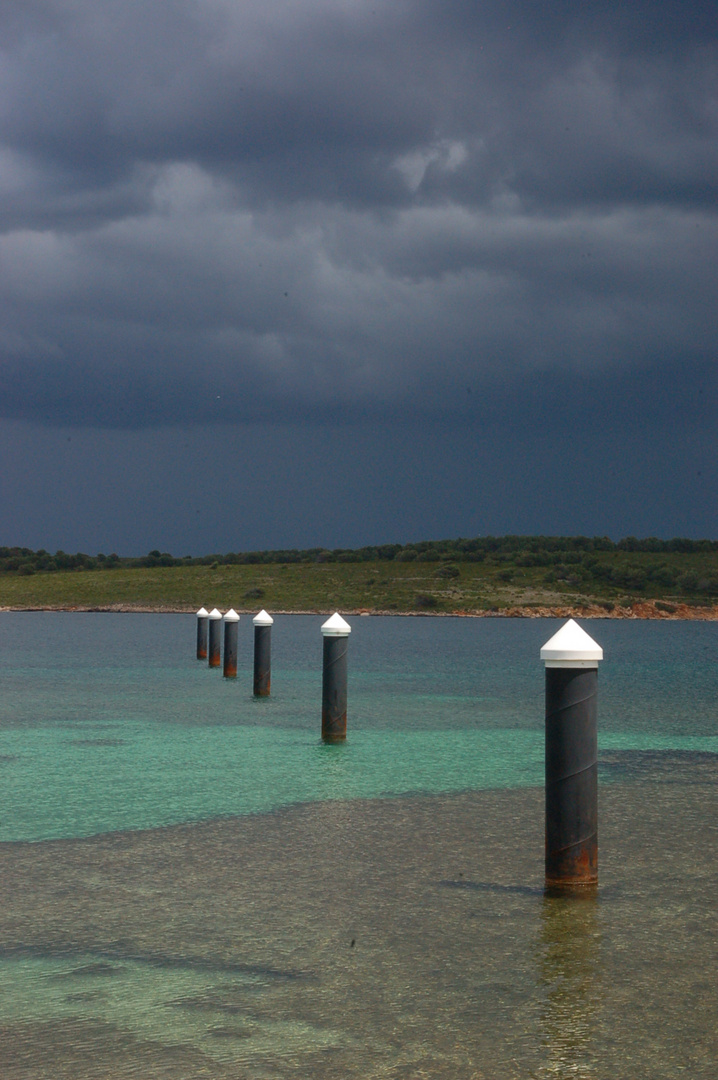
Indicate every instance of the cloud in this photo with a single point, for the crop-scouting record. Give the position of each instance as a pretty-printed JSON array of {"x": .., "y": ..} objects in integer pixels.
[{"x": 213, "y": 211}]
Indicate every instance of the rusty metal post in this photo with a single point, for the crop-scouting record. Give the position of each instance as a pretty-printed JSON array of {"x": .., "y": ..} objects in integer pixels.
[
  {"x": 335, "y": 632},
  {"x": 571, "y": 658},
  {"x": 215, "y": 646},
  {"x": 262, "y": 653},
  {"x": 202, "y": 616},
  {"x": 231, "y": 620}
]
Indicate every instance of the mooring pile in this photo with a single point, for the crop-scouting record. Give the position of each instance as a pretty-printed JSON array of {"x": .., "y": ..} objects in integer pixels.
[{"x": 571, "y": 661}]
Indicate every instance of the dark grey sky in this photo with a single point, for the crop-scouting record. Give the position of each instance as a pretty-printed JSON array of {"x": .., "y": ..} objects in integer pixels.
[{"x": 340, "y": 272}]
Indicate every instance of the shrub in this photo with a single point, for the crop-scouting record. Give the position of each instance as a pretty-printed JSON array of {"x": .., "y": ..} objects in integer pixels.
[
  {"x": 425, "y": 600},
  {"x": 325, "y": 556},
  {"x": 688, "y": 582},
  {"x": 663, "y": 574},
  {"x": 254, "y": 594}
]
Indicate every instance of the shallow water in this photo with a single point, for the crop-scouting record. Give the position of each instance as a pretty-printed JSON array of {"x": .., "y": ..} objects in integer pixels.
[
  {"x": 399, "y": 937},
  {"x": 107, "y": 722},
  {"x": 325, "y": 931}
]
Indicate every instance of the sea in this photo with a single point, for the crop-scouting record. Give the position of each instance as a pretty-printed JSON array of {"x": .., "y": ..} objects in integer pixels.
[{"x": 193, "y": 885}]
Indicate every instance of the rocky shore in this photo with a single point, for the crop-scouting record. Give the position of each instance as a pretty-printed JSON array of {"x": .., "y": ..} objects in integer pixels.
[{"x": 644, "y": 609}]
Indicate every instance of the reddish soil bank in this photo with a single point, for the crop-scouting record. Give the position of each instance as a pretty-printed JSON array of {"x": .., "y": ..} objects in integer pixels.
[{"x": 643, "y": 609}]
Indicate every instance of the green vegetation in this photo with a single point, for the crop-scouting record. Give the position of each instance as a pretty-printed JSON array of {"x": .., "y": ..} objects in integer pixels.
[{"x": 486, "y": 573}]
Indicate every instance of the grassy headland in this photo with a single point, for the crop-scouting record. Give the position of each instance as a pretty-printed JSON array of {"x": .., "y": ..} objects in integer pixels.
[{"x": 488, "y": 575}]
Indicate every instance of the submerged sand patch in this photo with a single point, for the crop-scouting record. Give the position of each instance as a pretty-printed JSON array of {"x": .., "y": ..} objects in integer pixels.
[{"x": 402, "y": 937}]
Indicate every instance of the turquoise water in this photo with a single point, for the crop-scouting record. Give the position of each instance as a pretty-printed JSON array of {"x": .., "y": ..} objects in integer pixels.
[
  {"x": 107, "y": 722},
  {"x": 209, "y": 892}
]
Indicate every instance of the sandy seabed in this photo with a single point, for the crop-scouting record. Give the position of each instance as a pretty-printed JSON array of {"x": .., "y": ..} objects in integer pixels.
[{"x": 389, "y": 938}]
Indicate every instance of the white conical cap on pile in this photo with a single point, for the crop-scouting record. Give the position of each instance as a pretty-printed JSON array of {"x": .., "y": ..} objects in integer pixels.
[
  {"x": 336, "y": 626},
  {"x": 202, "y": 613},
  {"x": 215, "y": 614},
  {"x": 231, "y": 616},
  {"x": 263, "y": 619},
  {"x": 571, "y": 646}
]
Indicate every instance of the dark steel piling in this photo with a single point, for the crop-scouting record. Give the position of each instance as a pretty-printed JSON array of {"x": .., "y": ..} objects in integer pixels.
[
  {"x": 571, "y": 658},
  {"x": 335, "y": 632},
  {"x": 231, "y": 621},
  {"x": 215, "y": 644},
  {"x": 202, "y": 616},
  {"x": 262, "y": 653}
]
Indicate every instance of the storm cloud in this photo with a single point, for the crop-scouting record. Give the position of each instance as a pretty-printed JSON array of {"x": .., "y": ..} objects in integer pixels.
[
  {"x": 223, "y": 211},
  {"x": 488, "y": 215}
]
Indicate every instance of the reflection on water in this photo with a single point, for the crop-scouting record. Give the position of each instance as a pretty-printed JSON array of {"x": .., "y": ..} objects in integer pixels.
[
  {"x": 569, "y": 975},
  {"x": 333, "y": 769},
  {"x": 397, "y": 938}
]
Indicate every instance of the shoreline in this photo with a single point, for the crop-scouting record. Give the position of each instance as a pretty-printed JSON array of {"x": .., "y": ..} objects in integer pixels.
[{"x": 643, "y": 609}]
